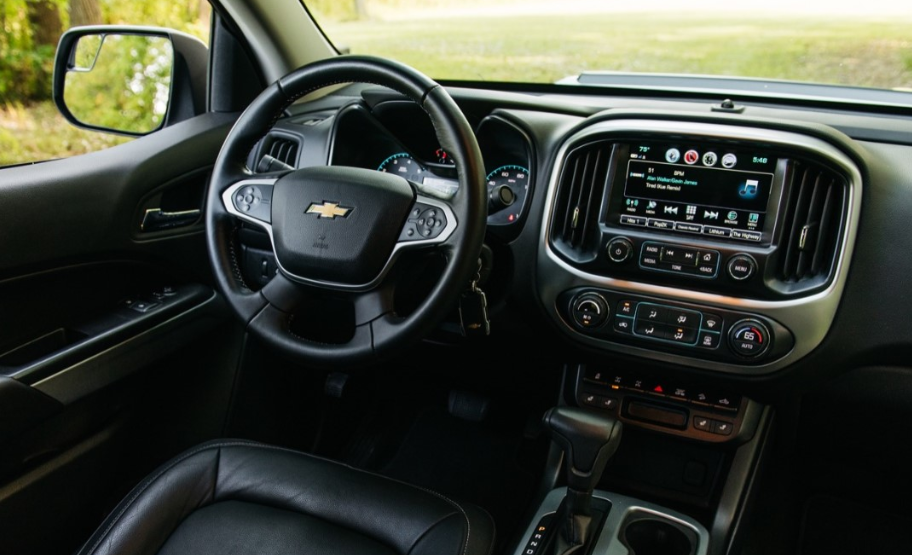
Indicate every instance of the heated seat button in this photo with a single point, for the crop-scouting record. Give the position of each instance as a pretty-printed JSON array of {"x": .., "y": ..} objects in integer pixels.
[
  {"x": 703, "y": 423},
  {"x": 721, "y": 428}
]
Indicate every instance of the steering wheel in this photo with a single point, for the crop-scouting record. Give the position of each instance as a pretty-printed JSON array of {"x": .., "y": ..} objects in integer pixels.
[{"x": 337, "y": 231}]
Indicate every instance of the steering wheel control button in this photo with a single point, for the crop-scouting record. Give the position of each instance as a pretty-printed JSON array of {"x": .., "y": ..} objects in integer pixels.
[
  {"x": 620, "y": 250},
  {"x": 254, "y": 201},
  {"x": 749, "y": 338},
  {"x": 425, "y": 222},
  {"x": 679, "y": 259},
  {"x": 590, "y": 310},
  {"x": 741, "y": 267}
]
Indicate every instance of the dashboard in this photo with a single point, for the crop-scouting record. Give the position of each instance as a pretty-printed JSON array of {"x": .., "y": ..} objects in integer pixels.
[{"x": 714, "y": 255}]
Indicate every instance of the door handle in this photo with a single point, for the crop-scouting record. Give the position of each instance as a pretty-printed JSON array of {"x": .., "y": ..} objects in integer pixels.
[{"x": 157, "y": 220}]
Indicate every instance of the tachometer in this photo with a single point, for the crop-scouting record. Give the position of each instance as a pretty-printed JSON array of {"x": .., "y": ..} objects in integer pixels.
[
  {"x": 403, "y": 165},
  {"x": 507, "y": 188}
]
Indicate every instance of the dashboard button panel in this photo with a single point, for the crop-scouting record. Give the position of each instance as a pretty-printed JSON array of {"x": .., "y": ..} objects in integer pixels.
[
  {"x": 710, "y": 333},
  {"x": 670, "y": 405},
  {"x": 679, "y": 259}
]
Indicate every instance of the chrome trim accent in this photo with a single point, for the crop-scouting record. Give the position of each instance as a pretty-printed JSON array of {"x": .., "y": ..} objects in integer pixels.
[
  {"x": 609, "y": 542},
  {"x": 401, "y": 246},
  {"x": 809, "y": 318}
]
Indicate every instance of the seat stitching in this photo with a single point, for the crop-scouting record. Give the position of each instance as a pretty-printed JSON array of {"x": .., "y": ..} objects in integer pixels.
[
  {"x": 143, "y": 486},
  {"x": 149, "y": 481},
  {"x": 465, "y": 547}
]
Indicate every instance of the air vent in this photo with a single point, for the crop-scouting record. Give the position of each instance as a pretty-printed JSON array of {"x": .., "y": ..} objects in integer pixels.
[
  {"x": 582, "y": 183},
  {"x": 812, "y": 225},
  {"x": 278, "y": 148}
]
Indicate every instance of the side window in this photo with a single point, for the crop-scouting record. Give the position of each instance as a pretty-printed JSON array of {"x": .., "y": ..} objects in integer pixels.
[{"x": 31, "y": 129}]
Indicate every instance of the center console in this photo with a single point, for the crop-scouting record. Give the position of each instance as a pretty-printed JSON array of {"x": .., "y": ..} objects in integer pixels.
[{"x": 715, "y": 246}]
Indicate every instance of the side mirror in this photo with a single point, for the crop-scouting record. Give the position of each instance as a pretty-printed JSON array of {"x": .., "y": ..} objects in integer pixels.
[{"x": 129, "y": 80}]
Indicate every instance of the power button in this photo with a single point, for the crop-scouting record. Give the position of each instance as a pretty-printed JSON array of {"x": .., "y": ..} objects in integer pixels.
[{"x": 619, "y": 249}]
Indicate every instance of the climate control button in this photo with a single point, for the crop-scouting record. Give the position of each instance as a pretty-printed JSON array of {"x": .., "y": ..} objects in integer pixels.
[
  {"x": 749, "y": 338},
  {"x": 590, "y": 310}
]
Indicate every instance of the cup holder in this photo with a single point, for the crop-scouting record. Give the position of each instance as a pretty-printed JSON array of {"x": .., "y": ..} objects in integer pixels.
[{"x": 648, "y": 534}]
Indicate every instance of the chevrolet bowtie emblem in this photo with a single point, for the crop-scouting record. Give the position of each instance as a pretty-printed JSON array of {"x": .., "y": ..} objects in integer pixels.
[{"x": 330, "y": 210}]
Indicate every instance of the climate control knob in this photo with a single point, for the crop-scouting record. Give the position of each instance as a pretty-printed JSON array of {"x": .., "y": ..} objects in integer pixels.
[
  {"x": 590, "y": 310},
  {"x": 619, "y": 249},
  {"x": 749, "y": 338}
]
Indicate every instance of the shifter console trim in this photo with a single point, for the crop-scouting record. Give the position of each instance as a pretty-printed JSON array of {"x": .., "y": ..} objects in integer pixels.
[{"x": 622, "y": 507}]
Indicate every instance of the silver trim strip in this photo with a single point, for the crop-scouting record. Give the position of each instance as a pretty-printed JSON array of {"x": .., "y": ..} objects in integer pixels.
[
  {"x": 809, "y": 318},
  {"x": 609, "y": 542},
  {"x": 401, "y": 246}
]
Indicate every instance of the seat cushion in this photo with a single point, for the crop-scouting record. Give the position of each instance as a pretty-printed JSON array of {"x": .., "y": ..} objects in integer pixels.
[{"x": 243, "y": 497}]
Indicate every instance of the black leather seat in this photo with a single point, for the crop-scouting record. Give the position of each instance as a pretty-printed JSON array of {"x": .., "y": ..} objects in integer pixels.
[{"x": 240, "y": 497}]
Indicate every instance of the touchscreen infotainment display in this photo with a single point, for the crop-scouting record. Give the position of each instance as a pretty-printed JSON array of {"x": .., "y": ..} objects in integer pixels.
[{"x": 690, "y": 188}]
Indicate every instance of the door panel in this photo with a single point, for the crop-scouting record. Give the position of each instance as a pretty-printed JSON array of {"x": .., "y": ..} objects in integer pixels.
[{"x": 114, "y": 349}]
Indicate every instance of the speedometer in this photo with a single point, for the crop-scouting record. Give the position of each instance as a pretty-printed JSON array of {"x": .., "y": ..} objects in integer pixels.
[{"x": 507, "y": 188}]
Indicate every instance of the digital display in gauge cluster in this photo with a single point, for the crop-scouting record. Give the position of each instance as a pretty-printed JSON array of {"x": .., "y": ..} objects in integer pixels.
[{"x": 702, "y": 189}]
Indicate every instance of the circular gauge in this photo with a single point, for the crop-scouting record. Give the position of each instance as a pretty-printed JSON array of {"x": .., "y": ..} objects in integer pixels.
[
  {"x": 507, "y": 186},
  {"x": 403, "y": 165}
]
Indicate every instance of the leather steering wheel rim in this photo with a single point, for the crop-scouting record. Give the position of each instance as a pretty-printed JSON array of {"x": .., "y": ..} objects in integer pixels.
[{"x": 379, "y": 332}]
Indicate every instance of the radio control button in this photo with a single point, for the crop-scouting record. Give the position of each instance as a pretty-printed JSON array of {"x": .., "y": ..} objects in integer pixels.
[
  {"x": 741, "y": 267},
  {"x": 716, "y": 231},
  {"x": 620, "y": 249}
]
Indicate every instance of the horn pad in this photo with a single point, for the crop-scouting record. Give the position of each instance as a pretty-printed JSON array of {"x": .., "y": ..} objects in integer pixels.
[{"x": 338, "y": 224}]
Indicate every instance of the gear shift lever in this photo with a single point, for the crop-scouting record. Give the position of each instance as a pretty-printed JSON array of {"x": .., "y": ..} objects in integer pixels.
[{"x": 588, "y": 439}]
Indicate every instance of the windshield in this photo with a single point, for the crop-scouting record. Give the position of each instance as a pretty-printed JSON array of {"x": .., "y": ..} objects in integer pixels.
[{"x": 867, "y": 44}]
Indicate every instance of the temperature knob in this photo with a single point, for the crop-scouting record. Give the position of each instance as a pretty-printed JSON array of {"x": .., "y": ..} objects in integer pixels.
[
  {"x": 749, "y": 338},
  {"x": 590, "y": 310}
]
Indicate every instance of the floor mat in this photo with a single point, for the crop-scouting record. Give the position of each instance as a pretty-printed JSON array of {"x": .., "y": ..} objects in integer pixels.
[
  {"x": 474, "y": 462},
  {"x": 834, "y": 526}
]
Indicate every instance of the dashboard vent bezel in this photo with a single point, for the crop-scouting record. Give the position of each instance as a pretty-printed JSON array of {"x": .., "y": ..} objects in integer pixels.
[
  {"x": 282, "y": 147},
  {"x": 812, "y": 226},
  {"x": 585, "y": 174}
]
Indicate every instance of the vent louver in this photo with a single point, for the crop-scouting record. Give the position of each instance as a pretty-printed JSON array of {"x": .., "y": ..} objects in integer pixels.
[
  {"x": 283, "y": 150},
  {"x": 813, "y": 224},
  {"x": 582, "y": 183}
]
